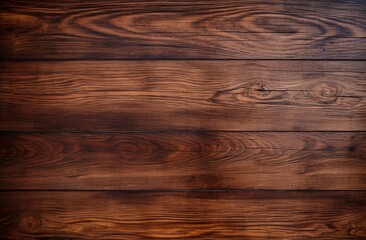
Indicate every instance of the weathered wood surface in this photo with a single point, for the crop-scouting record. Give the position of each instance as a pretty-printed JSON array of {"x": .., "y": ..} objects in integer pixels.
[
  {"x": 182, "y": 215},
  {"x": 166, "y": 161},
  {"x": 183, "y": 95},
  {"x": 205, "y": 29}
]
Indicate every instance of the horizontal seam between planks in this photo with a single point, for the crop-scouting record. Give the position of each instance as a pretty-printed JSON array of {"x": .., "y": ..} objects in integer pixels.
[
  {"x": 180, "y": 190},
  {"x": 5, "y": 132},
  {"x": 174, "y": 59}
]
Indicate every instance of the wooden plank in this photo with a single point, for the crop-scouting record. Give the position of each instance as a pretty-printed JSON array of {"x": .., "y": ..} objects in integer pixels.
[
  {"x": 204, "y": 29},
  {"x": 198, "y": 215},
  {"x": 184, "y": 161},
  {"x": 183, "y": 95}
]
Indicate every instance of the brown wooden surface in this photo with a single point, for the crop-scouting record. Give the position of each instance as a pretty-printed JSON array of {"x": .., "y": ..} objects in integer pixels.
[
  {"x": 183, "y": 95},
  {"x": 166, "y": 161},
  {"x": 165, "y": 119},
  {"x": 205, "y": 29},
  {"x": 181, "y": 215}
]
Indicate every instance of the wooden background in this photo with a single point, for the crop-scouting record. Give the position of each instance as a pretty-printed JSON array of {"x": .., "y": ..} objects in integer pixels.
[{"x": 237, "y": 119}]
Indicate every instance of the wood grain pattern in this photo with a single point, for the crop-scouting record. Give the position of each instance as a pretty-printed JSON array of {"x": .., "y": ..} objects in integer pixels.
[
  {"x": 165, "y": 161},
  {"x": 207, "y": 215},
  {"x": 205, "y": 29},
  {"x": 183, "y": 95},
  {"x": 183, "y": 119}
]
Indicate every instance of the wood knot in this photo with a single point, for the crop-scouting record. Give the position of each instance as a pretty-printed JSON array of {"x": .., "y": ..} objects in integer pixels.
[
  {"x": 257, "y": 90},
  {"x": 323, "y": 92},
  {"x": 29, "y": 222}
]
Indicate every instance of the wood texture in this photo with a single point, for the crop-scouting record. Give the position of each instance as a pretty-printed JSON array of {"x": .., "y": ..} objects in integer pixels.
[
  {"x": 183, "y": 119},
  {"x": 205, "y": 215},
  {"x": 183, "y": 95},
  {"x": 165, "y": 161},
  {"x": 205, "y": 29}
]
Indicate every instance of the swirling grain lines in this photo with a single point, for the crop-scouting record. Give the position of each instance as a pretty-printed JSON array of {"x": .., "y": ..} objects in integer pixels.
[{"x": 164, "y": 30}]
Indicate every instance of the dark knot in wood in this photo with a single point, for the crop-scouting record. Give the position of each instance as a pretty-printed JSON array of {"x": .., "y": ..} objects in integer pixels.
[
  {"x": 251, "y": 90},
  {"x": 323, "y": 92},
  {"x": 30, "y": 222},
  {"x": 257, "y": 90}
]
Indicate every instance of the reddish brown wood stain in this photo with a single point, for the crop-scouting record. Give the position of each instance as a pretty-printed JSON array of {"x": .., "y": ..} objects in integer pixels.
[{"x": 182, "y": 119}]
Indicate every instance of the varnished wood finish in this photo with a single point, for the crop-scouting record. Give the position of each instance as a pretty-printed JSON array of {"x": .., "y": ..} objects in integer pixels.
[
  {"x": 204, "y": 29},
  {"x": 183, "y": 119},
  {"x": 198, "y": 215},
  {"x": 183, "y": 95},
  {"x": 165, "y": 161}
]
